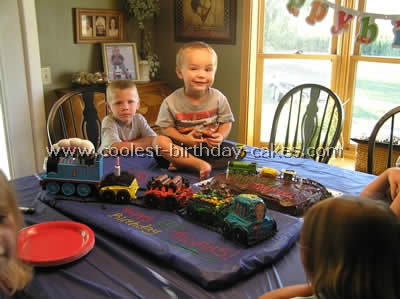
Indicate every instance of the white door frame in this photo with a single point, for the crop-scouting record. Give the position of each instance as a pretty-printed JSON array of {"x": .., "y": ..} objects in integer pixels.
[{"x": 23, "y": 105}]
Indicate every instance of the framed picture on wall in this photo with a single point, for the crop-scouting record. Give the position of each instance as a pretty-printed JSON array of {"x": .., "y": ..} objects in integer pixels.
[
  {"x": 98, "y": 25},
  {"x": 120, "y": 61},
  {"x": 211, "y": 21}
]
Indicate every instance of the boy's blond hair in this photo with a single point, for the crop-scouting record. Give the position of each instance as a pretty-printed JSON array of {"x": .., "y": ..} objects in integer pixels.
[
  {"x": 120, "y": 84},
  {"x": 192, "y": 46},
  {"x": 15, "y": 274}
]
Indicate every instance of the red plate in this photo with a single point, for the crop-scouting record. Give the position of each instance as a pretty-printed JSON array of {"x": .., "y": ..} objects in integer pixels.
[{"x": 54, "y": 243}]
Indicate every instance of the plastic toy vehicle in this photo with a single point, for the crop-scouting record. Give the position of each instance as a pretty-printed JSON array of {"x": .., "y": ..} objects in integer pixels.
[
  {"x": 246, "y": 222},
  {"x": 267, "y": 171},
  {"x": 119, "y": 193},
  {"x": 241, "y": 167},
  {"x": 242, "y": 148}
]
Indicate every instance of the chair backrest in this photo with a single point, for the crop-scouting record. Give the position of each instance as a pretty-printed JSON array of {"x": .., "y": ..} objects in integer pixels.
[
  {"x": 78, "y": 114},
  {"x": 307, "y": 123},
  {"x": 390, "y": 136}
]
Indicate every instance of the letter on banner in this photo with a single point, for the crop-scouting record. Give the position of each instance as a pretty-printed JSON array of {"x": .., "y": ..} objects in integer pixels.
[
  {"x": 294, "y": 6},
  {"x": 318, "y": 12},
  {"x": 342, "y": 22},
  {"x": 368, "y": 30},
  {"x": 396, "y": 31}
]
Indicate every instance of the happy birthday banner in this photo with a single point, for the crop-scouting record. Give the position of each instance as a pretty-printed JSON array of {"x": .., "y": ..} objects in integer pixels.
[{"x": 368, "y": 28}]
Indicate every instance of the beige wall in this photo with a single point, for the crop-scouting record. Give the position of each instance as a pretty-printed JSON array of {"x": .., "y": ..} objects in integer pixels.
[{"x": 59, "y": 51}]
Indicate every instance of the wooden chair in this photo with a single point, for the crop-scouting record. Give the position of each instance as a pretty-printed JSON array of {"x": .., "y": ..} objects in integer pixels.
[
  {"x": 78, "y": 114},
  {"x": 307, "y": 123},
  {"x": 390, "y": 135}
]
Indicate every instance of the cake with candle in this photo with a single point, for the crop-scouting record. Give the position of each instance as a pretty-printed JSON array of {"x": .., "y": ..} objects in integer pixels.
[{"x": 282, "y": 191}]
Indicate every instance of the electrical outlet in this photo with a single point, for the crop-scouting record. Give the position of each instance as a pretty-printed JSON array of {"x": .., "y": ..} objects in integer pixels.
[{"x": 46, "y": 75}]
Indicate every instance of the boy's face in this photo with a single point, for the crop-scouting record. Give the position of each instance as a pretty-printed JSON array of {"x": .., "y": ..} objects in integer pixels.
[
  {"x": 124, "y": 104},
  {"x": 197, "y": 70}
]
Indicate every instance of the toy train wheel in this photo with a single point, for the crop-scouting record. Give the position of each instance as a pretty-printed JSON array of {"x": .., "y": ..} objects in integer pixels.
[
  {"x": 108, "y": 196},
  {"x": 123, "y": 196},
  {"x": 227, "y": 230},
  {"x": 240, "y": 236},
  {"x": 68, "y": 189},
  {"x": 53, "y": 187},
  {"x": 274, "y": 226},
  {"x": 151, "y": 201},
  {"x": 83, "y": 190},
  {"x": 171, "y": 203},
  {"x": 191, "y": 212}
]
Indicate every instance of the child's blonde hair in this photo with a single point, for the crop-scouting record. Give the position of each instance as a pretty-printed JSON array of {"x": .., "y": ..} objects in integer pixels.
[
  {"x": 192, "y": 46},
  {"x": 350, "y": 249},
  {"x": 15, "y": 274},
  {"x": 120, "y": 84}
]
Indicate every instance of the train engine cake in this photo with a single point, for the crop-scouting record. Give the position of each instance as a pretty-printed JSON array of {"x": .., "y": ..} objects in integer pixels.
[{"x": 71, "y": 171}]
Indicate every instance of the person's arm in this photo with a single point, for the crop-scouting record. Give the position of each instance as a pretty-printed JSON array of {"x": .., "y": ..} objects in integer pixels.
[
  {"x": 390, "y": 178},
  {"x": 139, "y": 144},
  {"x": 299, "y": 290}
]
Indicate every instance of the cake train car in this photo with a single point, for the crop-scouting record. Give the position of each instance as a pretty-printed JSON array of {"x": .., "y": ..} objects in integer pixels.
[
  {"x": 209, "y": 207},
  {"x": 169, "y": 193},
  {"x": 242, "y": 167},
  {"x": 71, "y": 175},
  {"x": 118, "y": 187},
  {"x": 241, "y": 219}
]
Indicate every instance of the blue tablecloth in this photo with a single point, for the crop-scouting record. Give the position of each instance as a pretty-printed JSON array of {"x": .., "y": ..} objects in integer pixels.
[{"x": 115, "y": 269}]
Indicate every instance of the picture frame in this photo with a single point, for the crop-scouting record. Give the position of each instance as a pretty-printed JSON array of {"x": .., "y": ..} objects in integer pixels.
[
  {"x": 98, "y": 25},
  {"x": 120, "y": 61},
  {"x": 212, "y": 21}
]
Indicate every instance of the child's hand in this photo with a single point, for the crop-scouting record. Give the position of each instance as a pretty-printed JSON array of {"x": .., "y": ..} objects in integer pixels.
[
  {"x": 395, "y": 206},
  {"x": 215, "y": 139},
  {"x": 393, "y": 177},
  {"x": 193, "y": 139}
]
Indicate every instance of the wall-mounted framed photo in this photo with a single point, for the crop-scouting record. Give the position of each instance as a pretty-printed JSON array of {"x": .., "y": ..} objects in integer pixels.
[
  {"x": 120, "y": 61},
  {"x": 212, "y": 21},
  {"x": 98, "y": 25}
]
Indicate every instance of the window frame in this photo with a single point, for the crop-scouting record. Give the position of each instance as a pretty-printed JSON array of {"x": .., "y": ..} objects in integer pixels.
[{"x": 345, "y": 54}]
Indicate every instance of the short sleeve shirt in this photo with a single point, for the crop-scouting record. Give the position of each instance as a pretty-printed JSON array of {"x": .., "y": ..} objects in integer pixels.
[
  {"x": 113, "y": 130},
  {"x": 176, "y": 111}
]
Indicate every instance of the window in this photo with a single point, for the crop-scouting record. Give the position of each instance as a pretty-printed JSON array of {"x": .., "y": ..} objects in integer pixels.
[{"x": 291, "y": 52}]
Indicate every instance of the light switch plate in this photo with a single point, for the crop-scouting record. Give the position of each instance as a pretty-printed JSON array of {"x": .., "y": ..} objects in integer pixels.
[{"x": 46, "y": 75}]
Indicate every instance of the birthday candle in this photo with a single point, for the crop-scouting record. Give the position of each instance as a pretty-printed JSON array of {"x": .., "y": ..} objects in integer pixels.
[{"x": 117, "y": 168}]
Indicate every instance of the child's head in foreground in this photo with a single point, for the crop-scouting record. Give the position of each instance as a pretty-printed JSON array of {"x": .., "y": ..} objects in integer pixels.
[
  {"x": 196, "y": 64},
  {"x": 122, "y": 99},
  {"x": 350, "y": 249},
  {"x": 14, "y": 274}
]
